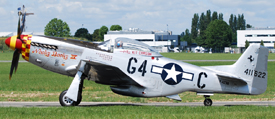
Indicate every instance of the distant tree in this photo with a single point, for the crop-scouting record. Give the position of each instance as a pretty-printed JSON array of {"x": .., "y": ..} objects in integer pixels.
[
  {"x": 220, "y": 16},
  {"x": 96, "y": 36},
  {"x": 262, "y": 42},
  {"x": 182, "y": 34},
  {"x": 103, "y": 30},
  {"x": 200, "y": 42},
  {"x": 90, "y": 37},
  {"x": 3, "y": 46},
  {"x": 194, "y": 26},
  {"x": 218, "y": 34},
  {"x": 214, "y": 16},
  {"x": 235, "y": 24},
  {"x": 246, "y": 44},
  {"x": 248, "y": 26},
  {"x": 56, "y": 27},
  {"x": 202, "y": 27},
  {"x": 243, "y": 23},
  {"x": 115, "y": 28},
  {"x": 82, "y": 33},
  {"x": 239, "y": 22},
  {"x": 208, "y": 18},
  {"x": 231, "y": 22},
  {"x": 187, "y": 37}
]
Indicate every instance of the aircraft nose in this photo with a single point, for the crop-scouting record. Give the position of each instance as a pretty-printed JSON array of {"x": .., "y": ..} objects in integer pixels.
[{"x": 14, "y": 43}]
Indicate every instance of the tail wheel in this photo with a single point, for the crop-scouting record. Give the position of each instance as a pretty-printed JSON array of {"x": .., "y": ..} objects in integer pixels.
[
  {"x": 65, "y": 101},
  {"x": 207, "y": 102}
]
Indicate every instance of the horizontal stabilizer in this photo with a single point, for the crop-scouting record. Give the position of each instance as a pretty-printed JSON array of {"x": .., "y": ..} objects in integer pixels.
[
  {"x": 250, "y": 70},
  {"x": 232, "y": 78}
]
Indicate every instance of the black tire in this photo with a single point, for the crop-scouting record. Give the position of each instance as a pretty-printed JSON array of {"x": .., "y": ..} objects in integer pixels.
[
  {"x": 64, "y": 101},
  {"x": 207, "y": 102}
]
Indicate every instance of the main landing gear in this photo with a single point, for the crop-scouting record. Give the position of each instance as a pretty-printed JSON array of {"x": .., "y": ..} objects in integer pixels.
[
  {"x": 207, "y": 101},
  {"x": 65, "y": 101},
  {"x": 73, "y": 96}
]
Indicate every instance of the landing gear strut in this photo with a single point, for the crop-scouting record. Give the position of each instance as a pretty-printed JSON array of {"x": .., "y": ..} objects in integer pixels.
[
  {"x": 73, "y": 96},
  {"x": 207, "y": 101}
]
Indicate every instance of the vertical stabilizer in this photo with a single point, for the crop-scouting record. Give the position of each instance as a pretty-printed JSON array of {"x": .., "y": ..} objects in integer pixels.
[{"x": 252, "y": 67}]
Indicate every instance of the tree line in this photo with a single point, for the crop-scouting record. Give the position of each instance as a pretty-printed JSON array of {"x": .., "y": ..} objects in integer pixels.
[
  {"x": 58, "y": 28},
  {"x": 207, "y": 30},
  {"x": 210, "y": 30}
]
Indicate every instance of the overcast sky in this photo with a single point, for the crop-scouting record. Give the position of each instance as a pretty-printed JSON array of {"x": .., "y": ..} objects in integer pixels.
[{"x": 143, "y": 14}]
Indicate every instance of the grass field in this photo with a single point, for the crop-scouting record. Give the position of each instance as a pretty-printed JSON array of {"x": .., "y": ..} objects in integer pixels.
[
  {"x": 140, "y": 112},
  {"x": 32, "y": 83}
]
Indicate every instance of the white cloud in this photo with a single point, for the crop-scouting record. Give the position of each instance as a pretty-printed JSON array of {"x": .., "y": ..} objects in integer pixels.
[
  {"x": 227, "y": 3},
  {"x": 144, "y": 14}
]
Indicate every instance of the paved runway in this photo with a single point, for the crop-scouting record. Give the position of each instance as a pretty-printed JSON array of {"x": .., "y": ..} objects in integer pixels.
[{"x": 90, "y": 104}]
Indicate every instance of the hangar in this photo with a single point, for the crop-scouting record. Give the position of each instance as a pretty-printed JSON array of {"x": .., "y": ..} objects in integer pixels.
[
  {"x": 255, "y": 35},
  {"x": 160, "y": 40}
]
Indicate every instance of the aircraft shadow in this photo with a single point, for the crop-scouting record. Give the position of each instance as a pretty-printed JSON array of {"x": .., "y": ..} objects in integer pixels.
[{"x": 98, "y": 105}]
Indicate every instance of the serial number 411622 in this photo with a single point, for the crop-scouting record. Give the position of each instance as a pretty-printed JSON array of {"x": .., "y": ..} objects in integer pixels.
[{"x": 258, "y": 74}]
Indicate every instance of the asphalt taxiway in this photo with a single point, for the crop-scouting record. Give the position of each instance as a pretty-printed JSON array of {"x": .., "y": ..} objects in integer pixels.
[{"x": 91, "y": 104}]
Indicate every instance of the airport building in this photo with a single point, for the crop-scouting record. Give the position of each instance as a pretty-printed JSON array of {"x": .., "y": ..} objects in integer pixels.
[
  {"x": 255, "y": 35},
  {"x": 160, "y": 40}
]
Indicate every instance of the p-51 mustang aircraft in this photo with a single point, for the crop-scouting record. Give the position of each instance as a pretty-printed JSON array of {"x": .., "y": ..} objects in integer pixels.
[{"x": 133, "y": 68}]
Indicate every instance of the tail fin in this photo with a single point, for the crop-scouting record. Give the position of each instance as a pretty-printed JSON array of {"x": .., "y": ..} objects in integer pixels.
[{"x": 252, "y": 67}]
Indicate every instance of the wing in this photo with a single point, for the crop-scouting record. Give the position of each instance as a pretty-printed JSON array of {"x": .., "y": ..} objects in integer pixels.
[{"x": 109, "y": 75}]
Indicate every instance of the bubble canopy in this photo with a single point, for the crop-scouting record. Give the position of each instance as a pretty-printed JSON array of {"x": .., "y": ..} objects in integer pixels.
[{"x": 127, "y": 44}]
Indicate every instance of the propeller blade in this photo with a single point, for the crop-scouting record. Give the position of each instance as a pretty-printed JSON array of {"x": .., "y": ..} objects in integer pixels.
[
  {"x": 29, "y": 14},
  {"x": 18, "y": 29},
  {"x": 14, "y": 62},
  {"x": 23, "y": 23}
]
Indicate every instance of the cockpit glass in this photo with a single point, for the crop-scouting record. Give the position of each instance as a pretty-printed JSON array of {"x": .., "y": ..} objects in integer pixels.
[
  {"x": 105, "y": 46},
  {"x": 126, "y": 44},
  {"x": 131, "y": 44}
]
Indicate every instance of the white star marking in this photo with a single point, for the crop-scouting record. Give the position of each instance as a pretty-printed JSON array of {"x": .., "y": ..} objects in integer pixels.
[{"x": 172, "y": 73}]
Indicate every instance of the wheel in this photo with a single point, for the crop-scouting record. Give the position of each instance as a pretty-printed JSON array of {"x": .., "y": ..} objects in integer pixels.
[
  {"x": 207, "y": 102},
  {"x": 64, "y": 101}
]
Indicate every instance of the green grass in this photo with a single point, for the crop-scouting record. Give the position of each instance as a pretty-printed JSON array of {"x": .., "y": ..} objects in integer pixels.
[
  {"x": 138, "y": 112},
  {"x": 7, "y": 55}
]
